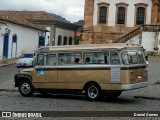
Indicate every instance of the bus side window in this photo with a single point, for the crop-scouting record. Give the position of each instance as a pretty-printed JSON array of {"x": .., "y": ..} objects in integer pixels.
[
  {"x": 94, "y": 58},
  {"x": 106, "y": 58},
  {"x": 87, "y": 60},
  {"x": 51, "y": 60},
  {"x": 126, "y": 58},
  {"x": 61, "y": 60},
  {"x": 114, "y": 58},
  {"x": 70, "y": 58},
  {"x": 40, "y": 60}
]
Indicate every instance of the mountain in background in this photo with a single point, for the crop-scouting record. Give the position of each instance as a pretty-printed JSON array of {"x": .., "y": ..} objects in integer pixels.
[
  {"x": 58, "y": 17},
  {"x": 80, "y": 23}
]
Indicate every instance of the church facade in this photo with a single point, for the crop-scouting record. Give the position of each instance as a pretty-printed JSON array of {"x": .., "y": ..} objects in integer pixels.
[{"x": 108, "y": 20}]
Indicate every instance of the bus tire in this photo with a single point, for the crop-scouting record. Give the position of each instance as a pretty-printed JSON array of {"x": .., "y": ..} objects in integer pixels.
[
  {"x": 25, "y": 88},
  {"x": 92, "y": 92}
]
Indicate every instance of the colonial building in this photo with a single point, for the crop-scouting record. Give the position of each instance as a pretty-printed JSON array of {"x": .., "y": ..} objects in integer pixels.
[
  {"x": 17, "y": 36},
  {"x": 61, "y": 32},
  {"x": 29, "y": 30},
  {"x": 115, "y": 20}
]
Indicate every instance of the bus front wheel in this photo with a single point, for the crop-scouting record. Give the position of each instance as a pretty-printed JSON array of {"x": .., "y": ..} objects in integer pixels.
[
  {"x": 25, "y": 88},
  {"x": 92, "y": 92}
]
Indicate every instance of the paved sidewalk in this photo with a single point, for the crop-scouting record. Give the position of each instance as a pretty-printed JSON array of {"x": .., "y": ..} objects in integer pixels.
[{"x": 8, "y": 62}]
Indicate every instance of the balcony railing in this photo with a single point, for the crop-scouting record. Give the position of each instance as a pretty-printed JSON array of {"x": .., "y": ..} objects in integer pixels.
[{"x": 137, "y": 31}]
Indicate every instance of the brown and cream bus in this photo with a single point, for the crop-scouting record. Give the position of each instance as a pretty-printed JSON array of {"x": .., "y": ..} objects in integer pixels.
[{"x": 96, "y": 70}]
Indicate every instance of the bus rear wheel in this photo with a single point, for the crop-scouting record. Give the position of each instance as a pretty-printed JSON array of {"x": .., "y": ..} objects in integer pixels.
[{"x": 92, "y": 92}]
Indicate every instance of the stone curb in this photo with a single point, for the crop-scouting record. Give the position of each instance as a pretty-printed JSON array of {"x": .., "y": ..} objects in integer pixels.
[
  {"x": 149, "y": 98},
  {"x": 8, "y": 90},
  {"x": 3, "y": 65},
  {"x": 8, "y": 62}
]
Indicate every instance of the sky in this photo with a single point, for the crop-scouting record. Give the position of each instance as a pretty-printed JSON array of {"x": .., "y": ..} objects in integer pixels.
[{"x": 72, "y": 10}]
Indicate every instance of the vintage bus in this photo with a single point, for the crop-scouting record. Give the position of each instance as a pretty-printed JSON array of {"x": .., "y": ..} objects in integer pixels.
[{"x": 96, "y": 70}]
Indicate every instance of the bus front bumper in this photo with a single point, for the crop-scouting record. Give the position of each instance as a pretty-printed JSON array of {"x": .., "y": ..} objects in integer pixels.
[{"x": 134, "y": 86}]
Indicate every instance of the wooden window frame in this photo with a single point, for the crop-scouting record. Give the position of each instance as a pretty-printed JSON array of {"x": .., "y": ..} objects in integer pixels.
[
  {"x": 125, "y": 5},
  {"x": 103, "y": 4},
  {"x": 145, "y": 15}
]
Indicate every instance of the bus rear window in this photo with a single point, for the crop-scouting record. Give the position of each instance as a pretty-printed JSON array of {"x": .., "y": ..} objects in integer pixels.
[
  {"x": 141, "y": 56},
  {"x": 132, "y": 57}
]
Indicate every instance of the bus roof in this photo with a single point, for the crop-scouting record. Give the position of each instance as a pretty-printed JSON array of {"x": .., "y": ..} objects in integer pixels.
[{"x": 88, "y": 47}]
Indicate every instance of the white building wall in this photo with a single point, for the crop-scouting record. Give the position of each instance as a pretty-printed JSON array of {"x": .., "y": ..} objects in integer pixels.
[
  {"x": 148, "y": 39},
  {"x": 1, "y": 40},
  {"x": 27, "y": 40},
  {"x": 134, "y": 40},
  {"x": 2, "y": 31},
  {"x": 130, "y": 11},
  {"x": 47, "y": 39},
  {"x": 63, "y": 33}
]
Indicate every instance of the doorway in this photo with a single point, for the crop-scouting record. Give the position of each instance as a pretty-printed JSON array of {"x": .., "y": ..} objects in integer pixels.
[
  {"x": 41, "y": 41},
  {"x": 5, "y": 45}
]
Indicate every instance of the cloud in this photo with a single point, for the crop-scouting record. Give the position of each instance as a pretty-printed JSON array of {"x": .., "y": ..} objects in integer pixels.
[{"x": 72, "y": 10}]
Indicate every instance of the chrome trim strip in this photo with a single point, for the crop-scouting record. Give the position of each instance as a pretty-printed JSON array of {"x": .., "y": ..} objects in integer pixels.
[
  {"x": 134, "y": 86},
  {"x": 91, "y": 66}
]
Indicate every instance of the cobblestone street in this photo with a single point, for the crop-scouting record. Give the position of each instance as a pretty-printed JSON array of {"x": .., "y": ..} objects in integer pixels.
[{"x": 145, "y": 99}]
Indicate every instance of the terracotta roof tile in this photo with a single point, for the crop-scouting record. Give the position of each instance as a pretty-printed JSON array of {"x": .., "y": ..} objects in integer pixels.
[
  {"x": 27, "y": 17},
  {"x": 22, "y": 18}
]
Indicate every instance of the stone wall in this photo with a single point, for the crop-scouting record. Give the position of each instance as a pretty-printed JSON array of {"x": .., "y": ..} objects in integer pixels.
[
  {"x": 104, "y": 34},
  {"x": 155, "y": 12},
  {"x": 101, "y": 33},
  {"x": 88, "y": 22},
  {"x": 159, "y": 17}
]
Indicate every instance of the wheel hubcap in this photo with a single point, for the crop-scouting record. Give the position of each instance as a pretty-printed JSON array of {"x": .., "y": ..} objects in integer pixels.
[
  {"x": 25, "y": 88},
  {"x": 93, "y": 92}
]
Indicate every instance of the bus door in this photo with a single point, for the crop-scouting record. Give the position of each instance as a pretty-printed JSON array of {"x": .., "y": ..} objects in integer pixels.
[
  {"x": 46, "y": 71},
  {"x": 39, "y": 72},
  {"x": 51, "y": 71}
]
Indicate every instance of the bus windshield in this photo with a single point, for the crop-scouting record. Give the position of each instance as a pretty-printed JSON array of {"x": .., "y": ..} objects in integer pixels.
[{"x": 133, "y": 57}]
